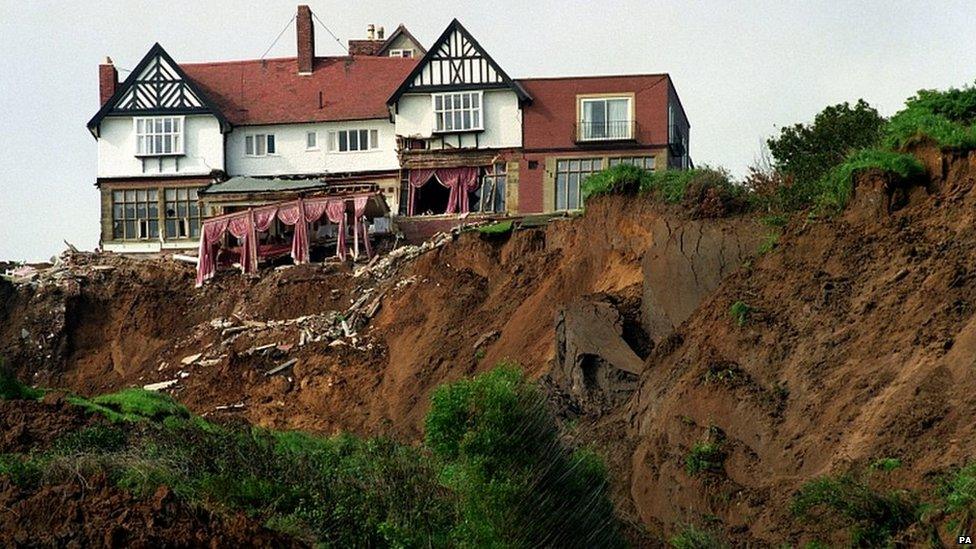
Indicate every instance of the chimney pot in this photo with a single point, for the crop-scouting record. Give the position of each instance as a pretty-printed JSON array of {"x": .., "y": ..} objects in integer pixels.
[
  {"x": 306, "y": 40},
  {"x": 108, "y": 80},
  {"x": 371, "y": 32}
]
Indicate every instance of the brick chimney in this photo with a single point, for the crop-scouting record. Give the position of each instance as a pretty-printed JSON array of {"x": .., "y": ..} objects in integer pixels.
[
  {"x": 108, "y": 80},
  {"x": 306, "y": 40}
]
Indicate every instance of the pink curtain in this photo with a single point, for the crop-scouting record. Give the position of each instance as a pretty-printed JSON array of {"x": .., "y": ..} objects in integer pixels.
[
  {"x": 460, "y": 181},
  {"x": 314, "y": 210},
  {"x": 359, "y": 207},
  {"x": 418, "y": 178},
  {"x": 294, "y": 214},
  {"x": 336, "y": 210},
  {"x": 243, "y": 228},
  {"x": 210, "y": 235}
]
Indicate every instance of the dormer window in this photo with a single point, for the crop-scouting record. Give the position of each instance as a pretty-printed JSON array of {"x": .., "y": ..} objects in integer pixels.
[
  {"x": 159, "y": 135},
  {"x": 457, "y": 111},
  {"x": 401, "y": 53},
  {"x": 606, "y": 118}
]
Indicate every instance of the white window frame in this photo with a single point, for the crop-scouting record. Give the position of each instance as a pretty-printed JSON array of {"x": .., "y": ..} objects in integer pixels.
[
  {"x": 476, "y": 113},
  {"x": 402, "y": 52},
  {"x": 609, "y": 134},
  {"x": 263, "y": 136},
  {"x": 372, "y": 138},
  {"x": 314, "y": 147},
  {"x": 146, "y": 139}
]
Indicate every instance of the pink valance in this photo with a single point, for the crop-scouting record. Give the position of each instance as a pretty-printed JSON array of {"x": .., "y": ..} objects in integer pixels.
[{"x": 245, "y": 226}]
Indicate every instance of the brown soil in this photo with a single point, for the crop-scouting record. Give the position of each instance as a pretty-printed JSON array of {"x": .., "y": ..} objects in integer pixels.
[
  {"x": 92, "y": 513},
  {"x": 860, "y": 347}
]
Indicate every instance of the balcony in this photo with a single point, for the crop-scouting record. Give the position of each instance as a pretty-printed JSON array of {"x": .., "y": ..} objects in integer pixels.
[
  {"x": 610, "y": 130},
  {"x": 676, "y": 141}
]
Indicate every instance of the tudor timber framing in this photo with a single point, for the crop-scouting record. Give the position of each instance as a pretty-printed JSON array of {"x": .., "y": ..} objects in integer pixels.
[
  {"x": 461, "y": 64},
  {"x": 139, "y": 96}
]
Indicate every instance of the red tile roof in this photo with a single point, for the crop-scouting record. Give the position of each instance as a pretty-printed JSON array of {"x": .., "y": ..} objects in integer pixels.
[{"x": 271, "y": 91}]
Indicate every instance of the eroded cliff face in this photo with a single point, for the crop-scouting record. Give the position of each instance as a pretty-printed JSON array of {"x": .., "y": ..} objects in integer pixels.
[
  {"x": 857, "y": 346},
  {"x": 685, "y": 262}
]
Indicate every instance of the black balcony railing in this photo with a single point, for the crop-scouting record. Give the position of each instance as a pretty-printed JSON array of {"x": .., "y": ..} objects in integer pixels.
[
  {"x": 676, "y": 140},
  {"x": 610, "y": 130}
]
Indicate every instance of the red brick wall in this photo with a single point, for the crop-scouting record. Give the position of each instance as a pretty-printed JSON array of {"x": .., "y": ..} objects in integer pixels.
[
  {"x": 550, "y": 121},
  {"x": 306, "y": 39},
  {"x": 108, "y": 80}
]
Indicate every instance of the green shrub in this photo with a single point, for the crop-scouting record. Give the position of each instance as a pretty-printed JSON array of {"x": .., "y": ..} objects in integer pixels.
[
  {"x": 837, "y": 186},
  {"x": 692, "y": 537},
  {"x": 943, "y": 116},
  {"x": 518, "y": 485},
  {"x": 705, "y": 457},
  {"x": 740, "y": 312},
  {"x": 807, "y": 152},
  {"x": 12, "y": 389},
  {"x": 619, "y": 179},
  {"x": 872, "y": 517},
  {"x": 960, "y": 500}
]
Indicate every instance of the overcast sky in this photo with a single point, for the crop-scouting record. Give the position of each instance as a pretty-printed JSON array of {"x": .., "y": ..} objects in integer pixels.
[{"x": 742, "y": 69}]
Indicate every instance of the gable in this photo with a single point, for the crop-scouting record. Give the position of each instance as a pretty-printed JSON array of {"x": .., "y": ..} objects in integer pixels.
[
  {"x": 156, "y": 86},
  {"x": 457, "y": 61},
  {"x": 401, "y": 39}
]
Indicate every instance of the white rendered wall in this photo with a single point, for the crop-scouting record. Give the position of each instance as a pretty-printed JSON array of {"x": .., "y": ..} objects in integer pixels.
[
  {"x": 292, "y": 156},
  {"x": 502, "y": 120},
  {"x": 203, "y": 149}
]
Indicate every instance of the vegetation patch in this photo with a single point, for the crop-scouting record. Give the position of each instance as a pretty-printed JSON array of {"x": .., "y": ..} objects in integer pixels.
[
  {"x": 493, "y": 472},
  {"x": 837, "y": 186},
  {"x": 886, "y": 465},
  {"x": 502, "y": 227},
  {"x": 741, "y": 312},
  {"x": 12, "y": 388},
  {"x": 873, "y": 517},
  {"x": 945, "y": 117},
  {"x": 693, "y": 537},
  {"x": 705, "y": 457},
  {"x": 959, "y": 495},
  {"x": 706, "y": 192}
]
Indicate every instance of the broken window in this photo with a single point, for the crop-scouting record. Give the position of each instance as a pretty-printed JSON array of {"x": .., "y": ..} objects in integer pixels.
[
  {"x": 490, "y": 197},
  {"x": 135, "y": 214},
  {"x": 182, "y": 213},
  {"x": 570, "y": 174}
]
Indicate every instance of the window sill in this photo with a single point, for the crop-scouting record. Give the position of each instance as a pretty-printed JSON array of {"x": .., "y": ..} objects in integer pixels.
[
  {"x": 449, "y": 132},
  {"x": 160, "y": 155}
]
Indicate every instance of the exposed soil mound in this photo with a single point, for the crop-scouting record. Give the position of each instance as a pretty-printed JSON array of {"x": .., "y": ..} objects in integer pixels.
[
  {"x": 854, "y": 342},
  {"x": 113, "y": 322}
]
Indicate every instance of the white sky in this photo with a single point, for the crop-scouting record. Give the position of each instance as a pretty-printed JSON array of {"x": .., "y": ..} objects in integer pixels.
[{"x": 742, "y": 69}]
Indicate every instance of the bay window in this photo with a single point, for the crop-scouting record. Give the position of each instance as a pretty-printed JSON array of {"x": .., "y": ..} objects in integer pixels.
[
  {"x": 605, "y": 118},
  {"x": 159, "y": 135},
  {"x": 457, "y": 111},
  {"x": 135, "y": 214}
]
